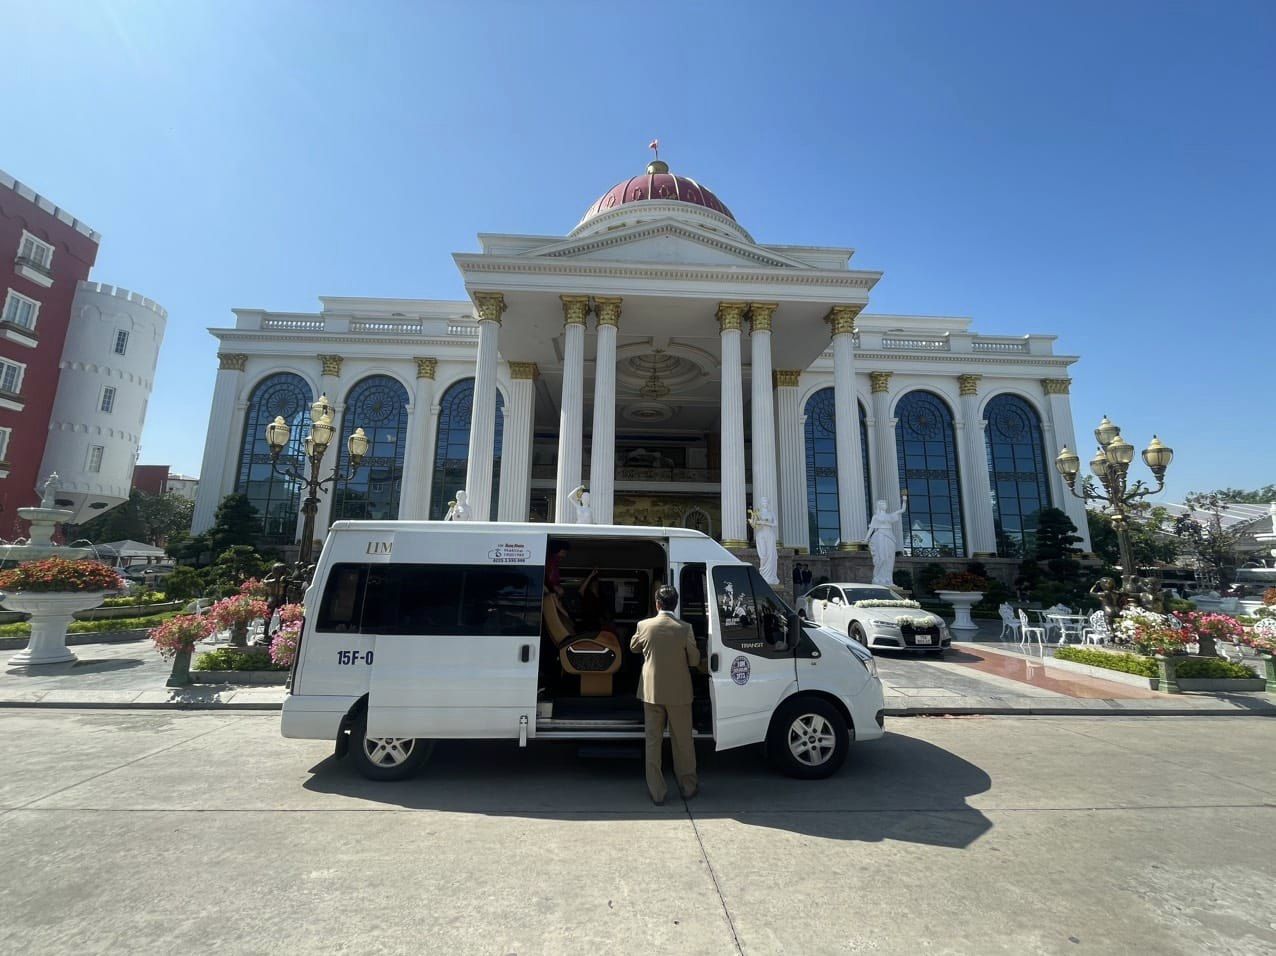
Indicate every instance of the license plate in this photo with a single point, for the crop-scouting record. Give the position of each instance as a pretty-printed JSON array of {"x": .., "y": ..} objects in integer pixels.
[{"x": 923, "y": 639}]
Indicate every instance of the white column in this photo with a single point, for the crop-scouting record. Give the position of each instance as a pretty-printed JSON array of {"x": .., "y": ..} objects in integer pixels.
[
  {"x": 853, "y": 527},
  {"x": 882, "y": 433},
  {"x": 478, "y": 466},
  {"x": 734, "y": 517},
  {"x": 762, "y": 410},
  {"x": 516, "y": 444},
  {"x": 219, "y": 443},
  {"x": 602, "y": 444},
  {"x": 794, "y": 529},
  {"x": 981, "y": 528},
  {"x": 1059, "y": 408},
  {"x": 415, "y": 495},
  {"x": 571, "y": 437}
]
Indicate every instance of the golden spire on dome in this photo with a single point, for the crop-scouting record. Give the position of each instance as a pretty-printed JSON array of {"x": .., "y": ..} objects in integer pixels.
[{"x": 657, "y": 165}]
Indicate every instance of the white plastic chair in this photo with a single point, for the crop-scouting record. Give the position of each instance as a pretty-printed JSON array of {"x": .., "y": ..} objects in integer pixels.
[
  {"x": 1097, "y": 631},
  {"x": 1028, "y": 633},
  {"x": 1009, "y": 623}
]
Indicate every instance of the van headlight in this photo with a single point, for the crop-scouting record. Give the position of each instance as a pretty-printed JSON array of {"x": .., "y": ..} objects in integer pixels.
[{"x": 865, "y": 657}]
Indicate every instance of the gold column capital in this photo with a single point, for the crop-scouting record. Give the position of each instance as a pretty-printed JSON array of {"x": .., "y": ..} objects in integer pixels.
[
  {"x": 426, "y": 367},
  {"x": 331, "y": 364},
  {"x": 575, "y": 308},
  {"x": 1056, "y": 386},
  {"x": 490, "y": 306},
  {"x": 786, "y": 377},
  {"x": 760, "y": 314},
  {"x": 607, "y": 309},
  {"x": 730, "y": 315},
  {"x": 523, "y": 371},
  {"x": 841, "y": 318},
  {"x": 879, "y": 381},
  {"x": 968, "y": 384},
  {"x": 234, "y": 361}
]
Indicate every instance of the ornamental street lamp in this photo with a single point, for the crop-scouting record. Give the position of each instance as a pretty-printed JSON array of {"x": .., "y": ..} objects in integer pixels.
[
  {"x": 278, "y": 435},
  {"x": 1111, "y": 465}
]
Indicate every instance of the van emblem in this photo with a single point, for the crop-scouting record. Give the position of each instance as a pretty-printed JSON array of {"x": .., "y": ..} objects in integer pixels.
[
  {"x": 380, "y": 547},
  {"x": 740, "y": 670}
]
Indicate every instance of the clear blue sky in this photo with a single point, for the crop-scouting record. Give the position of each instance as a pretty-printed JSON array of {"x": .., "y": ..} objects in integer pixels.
[{"x": 1103, "y": 171}]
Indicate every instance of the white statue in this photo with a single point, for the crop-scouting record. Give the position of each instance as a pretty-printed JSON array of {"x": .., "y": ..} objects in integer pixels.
[
  {"x": 762, "y": 521},
  {"x": 49, "y": 499},
  {"x": 459, "y": 510},
  {"x": 580, "y": 500},
  {"x": 883, "y": 542}
]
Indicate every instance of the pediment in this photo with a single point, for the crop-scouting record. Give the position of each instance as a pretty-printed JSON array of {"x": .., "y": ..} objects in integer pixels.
[{"x": 666, "y": 242}]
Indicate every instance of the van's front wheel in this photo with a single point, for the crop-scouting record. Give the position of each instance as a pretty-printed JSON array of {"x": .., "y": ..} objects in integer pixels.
[
  {"x": 809, "y": 739},
  {"x": 387, "y": 758}
]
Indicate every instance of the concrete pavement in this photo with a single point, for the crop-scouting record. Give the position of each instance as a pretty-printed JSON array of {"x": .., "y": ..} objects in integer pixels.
[{"x": 154, "y": 832}]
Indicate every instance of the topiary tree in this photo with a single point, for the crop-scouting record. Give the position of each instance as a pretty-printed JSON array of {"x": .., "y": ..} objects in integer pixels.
[
  {"x": 234, "y": 566},
  {"x": 236, "y": 523}
]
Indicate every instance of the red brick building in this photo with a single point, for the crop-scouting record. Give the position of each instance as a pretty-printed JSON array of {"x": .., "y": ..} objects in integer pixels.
[{"x": 44, "y": 253}]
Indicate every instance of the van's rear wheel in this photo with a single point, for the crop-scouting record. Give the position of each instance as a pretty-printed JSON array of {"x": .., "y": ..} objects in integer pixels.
[
  {"x": 386, "y": 758},
  {"x": 809, "y": 739}
]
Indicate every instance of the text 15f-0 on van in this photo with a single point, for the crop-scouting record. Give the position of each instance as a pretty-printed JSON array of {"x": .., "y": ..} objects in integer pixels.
[{"x": 417, "y": 631}]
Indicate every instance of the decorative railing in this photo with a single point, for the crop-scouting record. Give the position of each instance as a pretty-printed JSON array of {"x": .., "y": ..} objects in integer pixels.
[
  {"x": 915, "y": 343},
  {"x": 674, "y": 475},
  {"x": 293, "y": 325},
  {"x": 999, "y": 345},
  {"x": 464, "y": 330},
  {"x": 386, "y": 326}
]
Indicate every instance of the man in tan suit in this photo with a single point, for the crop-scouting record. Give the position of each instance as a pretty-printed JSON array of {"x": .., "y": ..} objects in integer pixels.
[{"x": 669, "y": 651}]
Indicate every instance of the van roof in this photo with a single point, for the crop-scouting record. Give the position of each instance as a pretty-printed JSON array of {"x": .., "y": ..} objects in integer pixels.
[{"x": 523, "y": 527}]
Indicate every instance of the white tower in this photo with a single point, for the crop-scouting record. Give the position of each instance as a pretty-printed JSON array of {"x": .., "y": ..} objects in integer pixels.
[{"x": 105, "y": 379}]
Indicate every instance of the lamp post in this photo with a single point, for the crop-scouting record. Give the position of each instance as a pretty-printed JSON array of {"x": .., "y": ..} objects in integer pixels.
[
  {"x": 278, "y": 435},
  {"x": 1111, "y": 466}
]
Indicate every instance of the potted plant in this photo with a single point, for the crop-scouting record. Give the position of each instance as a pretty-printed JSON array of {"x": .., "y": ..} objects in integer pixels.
[
  {"x": 176, "y": 639},
  {"x": 1262, "y": 638},
  {"x": 283, "y": 646},
  {"x": 1158, "y": 635},
  {"x": 963, "y": 590},
  {"x": 1208, "y": 627},
  {"x": 51, "y": 590},
  {"x": 236, "y": 613}
]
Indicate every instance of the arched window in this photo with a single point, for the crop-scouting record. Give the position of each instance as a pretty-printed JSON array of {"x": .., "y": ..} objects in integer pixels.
[
  {"x": 927, "y": 453},
  {"x": 277, "y": 499},
  {"x": 378, "y": 405},
  {"x": 1017, "y": 473},
  {"x": 821, "y": 469},
  {"x": 452, "y": 447}
]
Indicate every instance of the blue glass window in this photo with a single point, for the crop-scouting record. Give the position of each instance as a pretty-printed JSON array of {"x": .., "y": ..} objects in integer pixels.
[
  {"x": 1017, "y": 473},
  {"x": 927, "y": 454},
  {"x": 821, "y": 469},
  {"x": 378, "y": 405},
  {"x": 452, "y": 447},
  {"x": 277, "y": 499}
]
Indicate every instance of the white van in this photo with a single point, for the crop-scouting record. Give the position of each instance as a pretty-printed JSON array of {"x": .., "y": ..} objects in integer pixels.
[{"x": 422, "y": 630}]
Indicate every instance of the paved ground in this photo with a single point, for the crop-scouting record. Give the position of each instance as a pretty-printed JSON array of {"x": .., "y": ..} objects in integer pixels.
[{"x": 157, "y": 832}]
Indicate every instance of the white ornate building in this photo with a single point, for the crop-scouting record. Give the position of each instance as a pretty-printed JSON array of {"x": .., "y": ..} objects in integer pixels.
[{"x": 680, "y": 369}]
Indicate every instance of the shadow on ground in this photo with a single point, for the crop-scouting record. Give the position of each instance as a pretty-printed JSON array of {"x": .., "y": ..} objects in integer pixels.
[
  {"x": 80, "y": 666},
  {"x": 899, "y": 788}
]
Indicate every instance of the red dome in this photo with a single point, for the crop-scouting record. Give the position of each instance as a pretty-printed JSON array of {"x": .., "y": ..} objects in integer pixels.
[{"x": 659, "y": 184}]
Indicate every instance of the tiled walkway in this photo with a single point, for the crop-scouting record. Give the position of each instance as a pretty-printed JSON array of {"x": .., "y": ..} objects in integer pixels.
[{"x": 1030, "y": 669}]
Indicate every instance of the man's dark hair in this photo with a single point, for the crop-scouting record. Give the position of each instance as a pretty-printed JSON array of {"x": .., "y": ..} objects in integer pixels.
[{"x": 667, "y": 598}]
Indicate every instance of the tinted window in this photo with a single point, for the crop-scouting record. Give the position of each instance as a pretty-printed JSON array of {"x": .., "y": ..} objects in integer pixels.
[
  {"x": 872, "y": 594},
  {"x": 432, "y": 599},
  {"x": 753, "y": 619}
]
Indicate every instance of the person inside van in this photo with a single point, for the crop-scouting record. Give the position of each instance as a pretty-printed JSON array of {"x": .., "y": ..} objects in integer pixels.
[
  {"x": 554, "y": 567},
  {"x": 668, "y": 649}
]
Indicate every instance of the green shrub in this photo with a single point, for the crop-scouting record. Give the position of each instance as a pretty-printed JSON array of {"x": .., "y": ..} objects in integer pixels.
[
  {"x": 23, "y": 628},
  {"x": 1211, "y": 668},
  {"x": 133, "y": 600},
  {"x": 1126, "y": 663},
  {"x": 185, "y": 583},
  {"x": 236, "y": 659},
  {"x": 1178, "y": 604}
]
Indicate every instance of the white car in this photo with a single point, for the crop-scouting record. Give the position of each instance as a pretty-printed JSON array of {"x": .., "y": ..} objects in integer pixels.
[{"x": 875, "y": 616}]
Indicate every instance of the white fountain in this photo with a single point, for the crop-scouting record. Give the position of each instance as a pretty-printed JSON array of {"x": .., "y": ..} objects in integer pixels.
[{"x": 51, "y": 611}]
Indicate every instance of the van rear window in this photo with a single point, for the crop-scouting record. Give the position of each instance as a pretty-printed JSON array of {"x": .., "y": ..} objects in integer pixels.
[{"x": 432, "y": 599}]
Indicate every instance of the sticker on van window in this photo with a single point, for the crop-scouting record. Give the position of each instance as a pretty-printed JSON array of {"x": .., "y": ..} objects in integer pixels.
[
  {"x": 740, "y": 670},
  {"x": 510, "y": 554}
]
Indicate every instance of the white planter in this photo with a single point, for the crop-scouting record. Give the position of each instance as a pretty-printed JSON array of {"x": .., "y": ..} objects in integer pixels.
[
  {"x": 962, "y": 602},
  {"x": 50, "y": 615}
]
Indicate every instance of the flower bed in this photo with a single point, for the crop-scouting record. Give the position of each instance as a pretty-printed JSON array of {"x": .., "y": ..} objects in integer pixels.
[
  {"x": 58, "y": 575},
  {"x": 23, "y": 628},
  {"x": 961, "y": 581}
]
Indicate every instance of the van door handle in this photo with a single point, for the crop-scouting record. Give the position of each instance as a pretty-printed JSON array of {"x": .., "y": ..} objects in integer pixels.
[
  {"x": 713, "y": 663},
  {"x": 526, "y": 653}
]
